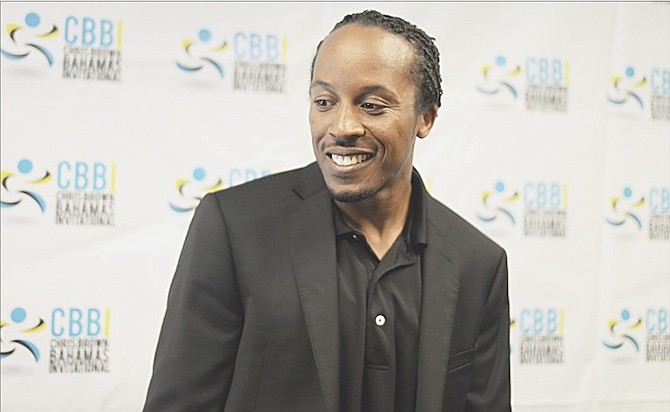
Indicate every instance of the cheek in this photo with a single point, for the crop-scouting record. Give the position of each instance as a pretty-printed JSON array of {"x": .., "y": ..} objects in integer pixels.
[
  {"x": 400, "y": 147},
  {"x": 317, "y": 126}
]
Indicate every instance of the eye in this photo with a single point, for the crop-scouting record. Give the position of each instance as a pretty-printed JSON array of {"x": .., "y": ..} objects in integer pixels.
[
  {"x": 323, "y": 104},
  {"x": 372, "y": 108}
]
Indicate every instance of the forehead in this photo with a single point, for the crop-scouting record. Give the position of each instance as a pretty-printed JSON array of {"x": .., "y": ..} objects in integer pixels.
[{"x": 366, "y": 51}]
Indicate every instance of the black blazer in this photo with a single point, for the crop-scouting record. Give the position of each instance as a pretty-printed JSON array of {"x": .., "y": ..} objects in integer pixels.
[{"x": 252, "y": 317}]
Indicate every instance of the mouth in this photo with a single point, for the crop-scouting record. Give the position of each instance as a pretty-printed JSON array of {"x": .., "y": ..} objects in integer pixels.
[{"x": 349, "y": 160}]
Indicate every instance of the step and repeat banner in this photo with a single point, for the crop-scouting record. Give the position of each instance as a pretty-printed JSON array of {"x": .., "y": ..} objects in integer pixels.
[{"x": 553, "y": 139}]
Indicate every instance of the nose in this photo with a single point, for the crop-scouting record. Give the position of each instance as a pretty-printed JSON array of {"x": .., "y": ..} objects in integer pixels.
[{"x": 346, "y": 123}]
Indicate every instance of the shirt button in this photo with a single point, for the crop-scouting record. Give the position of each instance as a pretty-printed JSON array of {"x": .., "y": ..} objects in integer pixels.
[{"x": 380, "y": 320}]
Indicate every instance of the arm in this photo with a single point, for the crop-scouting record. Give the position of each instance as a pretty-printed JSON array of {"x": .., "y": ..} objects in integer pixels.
[
  {"x": 196, "y": 351},
  {"x": 490, "y": 388}
]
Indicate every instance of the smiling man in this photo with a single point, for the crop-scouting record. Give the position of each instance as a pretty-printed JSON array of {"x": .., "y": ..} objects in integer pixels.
[{"x": 342, "y": 286}]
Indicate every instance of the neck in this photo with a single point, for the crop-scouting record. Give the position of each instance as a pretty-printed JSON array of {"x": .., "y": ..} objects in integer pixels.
[{"x": 380, "y": 218}]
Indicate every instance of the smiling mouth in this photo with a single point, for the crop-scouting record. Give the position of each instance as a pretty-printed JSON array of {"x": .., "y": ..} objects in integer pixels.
[{"x": 349, "y": 160}]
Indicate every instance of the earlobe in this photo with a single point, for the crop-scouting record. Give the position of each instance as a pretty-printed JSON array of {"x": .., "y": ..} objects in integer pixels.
[{"x": 426, "y": 121}]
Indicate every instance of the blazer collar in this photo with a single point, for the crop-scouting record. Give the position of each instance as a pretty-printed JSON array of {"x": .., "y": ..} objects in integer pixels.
[
  {"x": 312, "y": 243},
  {"x": 441, "y": 274}
]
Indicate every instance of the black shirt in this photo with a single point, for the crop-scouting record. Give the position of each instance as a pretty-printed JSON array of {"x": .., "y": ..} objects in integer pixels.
[{"x": 379, "y": 308}]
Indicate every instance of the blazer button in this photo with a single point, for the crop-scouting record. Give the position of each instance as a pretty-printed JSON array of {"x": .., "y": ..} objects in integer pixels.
[{"x": 380, "y": 320}]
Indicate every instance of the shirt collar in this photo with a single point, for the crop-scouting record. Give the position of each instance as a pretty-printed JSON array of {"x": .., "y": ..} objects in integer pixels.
[{"x": 415, "y": 225}]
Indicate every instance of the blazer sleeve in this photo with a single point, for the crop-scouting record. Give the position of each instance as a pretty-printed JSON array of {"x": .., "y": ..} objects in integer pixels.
[
  {"x": 490, "y": 385},
  {"x": 197, "y": 347}
]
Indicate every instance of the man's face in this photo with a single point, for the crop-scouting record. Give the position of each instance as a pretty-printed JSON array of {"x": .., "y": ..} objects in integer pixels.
[{"x": 362, "y": 114}]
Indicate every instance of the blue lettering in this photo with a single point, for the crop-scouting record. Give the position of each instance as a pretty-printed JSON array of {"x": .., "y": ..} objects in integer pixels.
[
  {"x": 99, "y": 181},
  {"x": 75, "y": 322},
  {"x": 106, "y": 37},
  {"x": 557, "y": 72},
  {"x": 527, "y": 199},
  {"x": 55, "y": 330},
  {"x": 555, "y": 195},
  {"x": 541, "y": 195},
  {"x": 240, "y": 43},
  {"x": 538, "y": 321},
  {"x": 659, "y": 200},
  {"x": 660, "y": 81},
  {"x": 93, "y": 327},
  {"x": 80, "y": 175},
  {"x": 552, "y": 321},
  {"x": 662, "y": 320},
  {"x": 530, "y": 72},
  {"x": 255, "y": 46},
  {"x": 525, "y": 328},
  {"x": 61, "y": 184},
  {"x": 88, "y": 32},
  {"x": 656, "y": 320},
  {"x": 543, "y": 71},
  {"x": 272, "y": 43},
  {"x": 251, "y": 47},
  {"x": 235, "y": 175},
  {"x": 68, "y": 21}
]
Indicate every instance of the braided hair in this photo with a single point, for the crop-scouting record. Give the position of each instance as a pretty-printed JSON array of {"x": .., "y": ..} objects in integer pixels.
[{"x": 426, "y": 67}]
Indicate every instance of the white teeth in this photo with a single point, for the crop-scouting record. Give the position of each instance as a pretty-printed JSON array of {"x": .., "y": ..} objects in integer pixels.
[{"x": 349, "y": 160}]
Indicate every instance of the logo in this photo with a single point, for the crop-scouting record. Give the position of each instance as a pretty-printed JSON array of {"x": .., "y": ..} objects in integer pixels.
[
  {"x": 86, "y": 193},
  {"x": 80, "y": 340},
  {"x": 546, "y": 82},
  {"x": 494, "y": 205},
  {"x": 542, "y": 207},
  {"x": 18, "y": 187},
  {"x": 19, "y": 318},
  {"x": 632, "y": 213},
  {"x": 621, "y": 332},
  {"x": 541, "y": 335},
  {"x": 28, "y": 39},
  {"x": 499, "y": 77},
  {"x": 628, "y": 90},
  {"x": 189, "y": 192},
  {"x": 92, "y": 49},
  {"x": 258, "y": 60},
  {"x": 630, "y": 335},
  {"x": 199, "y": 54},
  {"x": 660, "y": 94},
  {"x": 623, "y": 208}
]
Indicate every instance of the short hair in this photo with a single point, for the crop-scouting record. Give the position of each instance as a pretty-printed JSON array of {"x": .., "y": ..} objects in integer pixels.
[{"x": 426, "y": 67}]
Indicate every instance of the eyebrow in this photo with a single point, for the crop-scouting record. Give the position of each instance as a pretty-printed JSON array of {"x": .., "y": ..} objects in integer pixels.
[
  {"x": 321, "y": 83},
  {"x": 365, "y": 90}
]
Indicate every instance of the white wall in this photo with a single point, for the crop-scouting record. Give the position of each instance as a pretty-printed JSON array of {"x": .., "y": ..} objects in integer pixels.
[{"x": 553, "y": 171}]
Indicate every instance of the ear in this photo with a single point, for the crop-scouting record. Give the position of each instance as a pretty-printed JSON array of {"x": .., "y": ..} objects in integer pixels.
[{"x": 426, "y": 121}]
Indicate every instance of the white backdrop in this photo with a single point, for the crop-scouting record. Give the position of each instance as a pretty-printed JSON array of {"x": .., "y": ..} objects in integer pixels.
[{"x": 553, "y": 138}]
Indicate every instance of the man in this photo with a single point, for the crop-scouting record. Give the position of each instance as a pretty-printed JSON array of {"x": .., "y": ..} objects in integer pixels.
[{"x": 342, "y": 286}]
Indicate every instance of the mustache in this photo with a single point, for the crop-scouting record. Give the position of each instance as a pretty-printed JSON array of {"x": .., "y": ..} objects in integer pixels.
[{"x": 348, "y": 143}]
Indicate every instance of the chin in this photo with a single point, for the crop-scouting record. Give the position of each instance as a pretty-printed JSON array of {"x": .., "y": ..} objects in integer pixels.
[{"x": 350, "y": 196}]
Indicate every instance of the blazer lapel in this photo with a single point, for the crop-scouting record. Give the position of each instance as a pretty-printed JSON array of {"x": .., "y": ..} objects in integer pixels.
[
  {"x": 312, "y": 243},
  {"x": 440, "y": 294}
]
